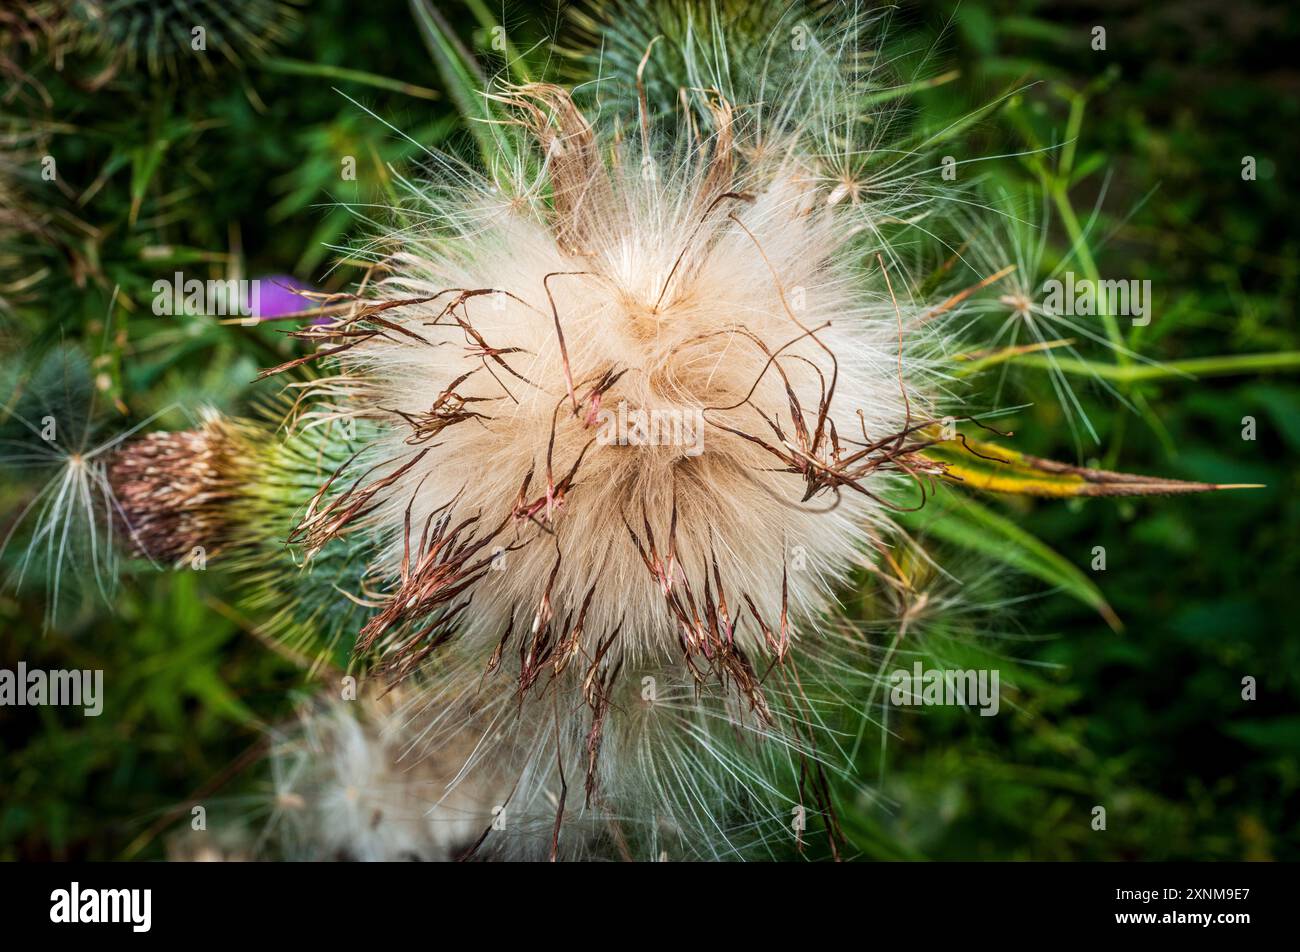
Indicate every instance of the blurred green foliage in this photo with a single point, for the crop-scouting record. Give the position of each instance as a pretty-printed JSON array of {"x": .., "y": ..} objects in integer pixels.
[{"x": 239, "y": 174}]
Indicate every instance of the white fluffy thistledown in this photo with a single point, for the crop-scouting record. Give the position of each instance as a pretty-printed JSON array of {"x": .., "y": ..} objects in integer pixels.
[
  {"x": 604, "y": 628},
  {"x": 684, "y": 363},
  {"x": 346, "y": 787}
]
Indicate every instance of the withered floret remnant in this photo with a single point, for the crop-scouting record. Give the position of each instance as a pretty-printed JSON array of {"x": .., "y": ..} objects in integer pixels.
[{"x": 173, "y": 490}]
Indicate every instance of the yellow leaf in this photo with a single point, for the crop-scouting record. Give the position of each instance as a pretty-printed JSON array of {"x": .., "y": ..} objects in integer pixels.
[{"x": 977, "y": 464}]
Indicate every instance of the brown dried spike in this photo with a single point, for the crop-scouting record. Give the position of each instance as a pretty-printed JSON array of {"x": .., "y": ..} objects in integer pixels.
[
  {"x": 448, "y": 409},
  {"x": 445, "y": 562},
  {"x": 597, "y": 691},
  {"x": 706, "y": 632},
  {"x": 580, "y": 187}
]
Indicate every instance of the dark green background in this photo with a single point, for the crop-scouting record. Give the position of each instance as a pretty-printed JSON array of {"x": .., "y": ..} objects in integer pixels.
[{"x": 1149, "y": 722}]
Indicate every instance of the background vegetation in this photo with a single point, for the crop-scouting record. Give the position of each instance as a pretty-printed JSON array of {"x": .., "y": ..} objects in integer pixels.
[{"x": 236, "y": 171}]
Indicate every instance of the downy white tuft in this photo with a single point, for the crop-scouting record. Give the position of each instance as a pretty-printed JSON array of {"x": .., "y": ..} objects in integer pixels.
[{"x": 617, "y": 627}]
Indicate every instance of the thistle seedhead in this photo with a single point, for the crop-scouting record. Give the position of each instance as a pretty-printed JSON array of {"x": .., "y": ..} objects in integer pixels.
[
  {"x": 170, "y": 36},
  {"x": 346, "y": 785},
  {"x": 524, "y": 353}
]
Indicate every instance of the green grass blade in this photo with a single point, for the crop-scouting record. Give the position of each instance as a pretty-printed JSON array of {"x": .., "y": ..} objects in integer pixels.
[
  {"x": 969, "y": 525},
  {"x": 292, "y": 67},
  {"x": 1287, "y": 361},
  {"x": 463, "y": 77}
]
